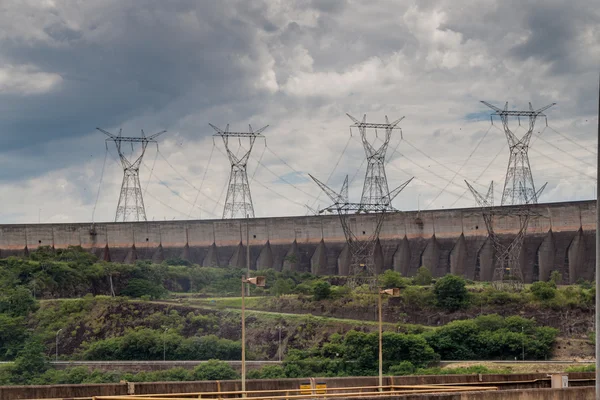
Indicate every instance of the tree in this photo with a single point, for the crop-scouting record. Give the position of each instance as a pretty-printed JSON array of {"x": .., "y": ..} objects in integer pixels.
[
  {"x": 30, "y": 362},
  {"x": 213, "y": 370},
  {"x": 18, "y": 302},
  {"x": 556, "y": 277},
  {"x": 423, "y": 277},
  {"x": 321, "y": 291},
  {"x": 282, "y": 286},
  {"x": 392, "y": 279},
  {"x": 143, "y": 287},
  {"x": 543, "y": 290},
  {"x": 451, "y": 292}
]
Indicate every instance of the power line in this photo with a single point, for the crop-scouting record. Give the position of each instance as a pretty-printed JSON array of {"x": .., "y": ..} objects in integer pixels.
[
  {"x": 462, "y": 166},
  {"x": 259, "y": 160},
  {"x": 100, "y": 184},
  {"x": 203, "y": 178},
  {"x": 435, "y": 161},
  {"x": 565, "y": 165},
  {"x": 574, "y": 142},
  {"x": 162, "y": 182},
  {"x": 184, "y": 178},
  {"x": 152, "y": 169},
  {"x": 268, "y": 188},
  {"x": 284, "y": 180},
  {"x": 165, "y": 204}
]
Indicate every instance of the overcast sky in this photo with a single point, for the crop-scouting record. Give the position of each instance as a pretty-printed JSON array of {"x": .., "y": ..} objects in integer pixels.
[{"x": 67, "y": 67}]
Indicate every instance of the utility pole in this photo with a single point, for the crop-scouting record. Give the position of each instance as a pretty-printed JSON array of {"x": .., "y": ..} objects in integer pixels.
[
  {"x": 238, "y": 202},
  {"x": 165, "y": 345},
  {"x": 131, "y": 202},
  {"x": 258, "y": 281},
  {"x": 248, "y": 252},
  {"x": 597, "y": 322},
  {"x": 56, "y": 355}
]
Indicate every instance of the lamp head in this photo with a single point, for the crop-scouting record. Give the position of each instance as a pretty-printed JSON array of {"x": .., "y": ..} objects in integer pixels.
[
  {"x": 259, "y": 281},
  {"x": 394, "y": 292}
]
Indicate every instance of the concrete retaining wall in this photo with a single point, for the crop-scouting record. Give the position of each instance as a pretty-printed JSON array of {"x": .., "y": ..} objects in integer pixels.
[
  {"x": 562, "y": 238},
  {"x": 505, "y": 382}
]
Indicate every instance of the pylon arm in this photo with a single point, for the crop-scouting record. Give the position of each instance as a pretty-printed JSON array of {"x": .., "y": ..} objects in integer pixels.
[
  {"x": 118, "y": 138},
  {"x": 539, "y": 192},
  {"x": 358, "y": 208},
  {"x": 226, "y": 133},
  {"x": 400, "y": 188},
  {"x": 482, "y": 201},
  {"x": 344, "y": 192},
  {"x": 334, "y": 196}
]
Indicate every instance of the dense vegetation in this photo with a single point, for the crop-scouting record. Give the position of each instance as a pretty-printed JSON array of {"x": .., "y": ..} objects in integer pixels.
[{"x": 104, "y": 311}]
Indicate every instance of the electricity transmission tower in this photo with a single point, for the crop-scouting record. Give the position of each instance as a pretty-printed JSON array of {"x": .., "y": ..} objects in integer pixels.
[
  {"x": 238, "y": 203},
  {"x": 376, "y": 198},
  {"x": 507, "y": 269},
  {"x": 519, "y": 191},
  {"x": 375, "y": 188},
  {"x": 519, "y": 187},
  {"x": 131, "y": 202}
]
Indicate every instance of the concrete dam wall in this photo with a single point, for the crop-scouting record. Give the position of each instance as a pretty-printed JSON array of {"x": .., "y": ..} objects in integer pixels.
[{"x": 561, "y": 238}]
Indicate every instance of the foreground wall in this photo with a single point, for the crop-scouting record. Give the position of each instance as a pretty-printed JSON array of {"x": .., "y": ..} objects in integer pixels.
[
  {"x": 506, "y": 383},
  {"x": 562, "y": 238}
]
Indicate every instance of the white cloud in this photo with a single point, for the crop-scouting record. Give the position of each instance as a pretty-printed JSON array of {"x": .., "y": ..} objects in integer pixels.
[
  {"x": 298, "y": 68},
  {"x": 26, "y": 79}
]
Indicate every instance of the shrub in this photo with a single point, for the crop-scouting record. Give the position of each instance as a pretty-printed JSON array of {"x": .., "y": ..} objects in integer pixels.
[
  {"x": 556, "y": 278},
  {"x": 404, "y": 368},
  {"x": 543, "y": 290},
  {"x": 282, "y": 286},
  {"x": 213, "y": 370},
  {"x": 143, "y": 287},
  {"x": 392, "y": 279},
  {"x": 267, "y": 372},
  {"x": 321, "y": 291},
  {"x": 451, "y": 292},
  {"x": 423, "y": 277}
]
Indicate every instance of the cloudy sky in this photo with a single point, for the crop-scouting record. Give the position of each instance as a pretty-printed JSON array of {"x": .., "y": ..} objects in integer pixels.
[{"x": 67, "y": 67}]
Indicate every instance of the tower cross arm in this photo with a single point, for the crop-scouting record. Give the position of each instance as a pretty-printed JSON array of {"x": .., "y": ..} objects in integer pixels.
[
  {"x": 484, "y": 202},
  {"x": 227, "y": 133},
  {"x": 142, "y": 139},
  {"x": 333, "y": 195},
  {"x": 400, "y": 188},
  {"x": 518, "y": 113}
]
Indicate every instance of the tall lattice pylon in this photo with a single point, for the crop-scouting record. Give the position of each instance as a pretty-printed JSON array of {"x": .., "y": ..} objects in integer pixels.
[
  {"x": 507, "y": 269},
  {"x": 238, "y": 203},
  {"x": 362, "y": 248},
  {"x": 519, "y": 187},
  {"x": 131, "y": 202},
  {"x": 375, "y": 187}
]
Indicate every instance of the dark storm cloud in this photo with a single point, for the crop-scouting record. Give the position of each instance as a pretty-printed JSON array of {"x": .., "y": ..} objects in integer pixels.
[
  {"x": 554, "y": 30},
  {"x": 130, "y": 61}
]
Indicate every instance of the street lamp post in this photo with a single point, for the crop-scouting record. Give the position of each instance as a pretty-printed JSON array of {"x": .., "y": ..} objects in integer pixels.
[
  {"x": 523, "y": 343},
  {"x": 258, "y": 281},
  {"x": 395, "y": 292},
  {"x": 56, "y": 354},
  {"x": 279, "y": 348},
  {"x": 165, "y": 345}
]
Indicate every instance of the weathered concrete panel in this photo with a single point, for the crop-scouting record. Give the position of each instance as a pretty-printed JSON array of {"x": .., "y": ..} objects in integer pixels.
[{"x": 445, "y": 240}]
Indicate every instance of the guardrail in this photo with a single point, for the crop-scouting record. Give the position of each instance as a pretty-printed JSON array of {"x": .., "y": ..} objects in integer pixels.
[{"x": 314, "y": 393}]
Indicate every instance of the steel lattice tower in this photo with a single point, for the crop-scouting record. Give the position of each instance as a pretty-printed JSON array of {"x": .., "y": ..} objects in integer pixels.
[
  {"x": 376, "y": 198},
  {"x": 519, "y": 187},
  {"x": 375, "y": 188},
  {"x": 519, "y": 191},
  {"x": 131, "y": 202},
  {"x": 238, "y": 203}
]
